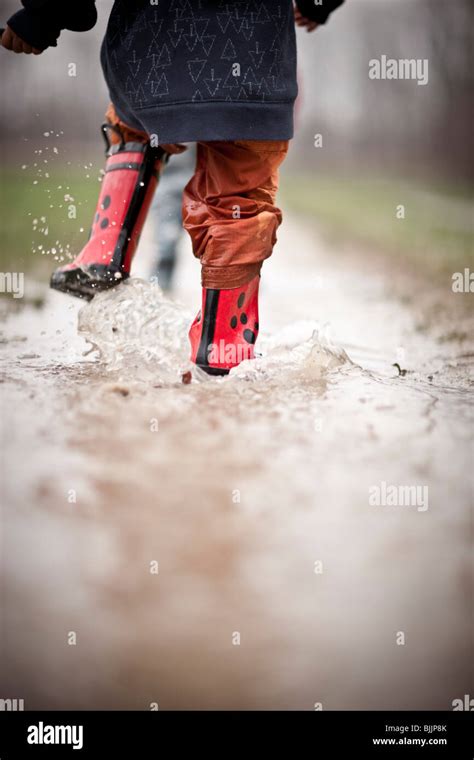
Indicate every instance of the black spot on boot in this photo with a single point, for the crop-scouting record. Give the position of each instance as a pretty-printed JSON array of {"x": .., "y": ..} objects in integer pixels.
[
  {"x": 105, "y": 203},
  {"x": 250, "y": 336},
  {"x": 233, "y": 322},
  {"x": 241, "y": 300}
]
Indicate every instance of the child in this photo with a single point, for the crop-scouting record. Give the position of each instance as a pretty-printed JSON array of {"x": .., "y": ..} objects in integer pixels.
[{"x": 221, "y": 73}]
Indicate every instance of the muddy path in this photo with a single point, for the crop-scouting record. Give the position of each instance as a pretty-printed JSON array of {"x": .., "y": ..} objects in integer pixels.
[{"x": 216, "y": 545}]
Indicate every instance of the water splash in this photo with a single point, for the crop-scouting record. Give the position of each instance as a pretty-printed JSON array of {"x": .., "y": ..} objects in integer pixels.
[
  {"x": 302, "y": 350},
  {"x": 138, "y": 329}
]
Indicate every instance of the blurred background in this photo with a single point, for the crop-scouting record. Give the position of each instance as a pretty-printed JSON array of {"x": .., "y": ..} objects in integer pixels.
[{"x": 384, "y": 142}]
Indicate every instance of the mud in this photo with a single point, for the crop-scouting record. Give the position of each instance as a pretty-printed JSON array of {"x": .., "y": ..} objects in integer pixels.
[{"x": 213, "y": 544}]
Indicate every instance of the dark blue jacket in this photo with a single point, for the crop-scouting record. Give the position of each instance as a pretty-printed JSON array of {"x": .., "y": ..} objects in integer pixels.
[{"x": 188, "y": 70}]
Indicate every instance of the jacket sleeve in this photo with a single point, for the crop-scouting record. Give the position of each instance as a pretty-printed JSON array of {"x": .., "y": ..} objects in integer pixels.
[
  {"x": 318, "y": 11},
  {"x": 40, "y": 22}
]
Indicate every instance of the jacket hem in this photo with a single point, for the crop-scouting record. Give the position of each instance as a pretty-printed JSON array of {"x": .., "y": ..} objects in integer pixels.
[{"x": 212, "y": 120}]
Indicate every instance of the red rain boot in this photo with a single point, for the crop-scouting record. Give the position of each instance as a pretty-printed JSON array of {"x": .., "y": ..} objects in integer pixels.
[
  {"x": 131, "y": 176},
  {"x": 225, "y": 330}
]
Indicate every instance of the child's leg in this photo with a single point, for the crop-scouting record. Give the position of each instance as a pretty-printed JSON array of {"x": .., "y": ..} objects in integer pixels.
[
  {"x": 229, "y": 208},
  {"x": 229, "y": 211},
  {"x": 130, "y": 134},
  {"x": 131, "y": 174}
]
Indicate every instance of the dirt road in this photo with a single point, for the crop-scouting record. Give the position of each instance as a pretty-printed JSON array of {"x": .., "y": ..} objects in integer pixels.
[{"x": 217, "y": 545}]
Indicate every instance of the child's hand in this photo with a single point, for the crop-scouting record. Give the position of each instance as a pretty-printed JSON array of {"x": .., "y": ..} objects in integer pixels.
[
  {"x": 301, "y": 20},
  {"x": 11, "y": 41}
]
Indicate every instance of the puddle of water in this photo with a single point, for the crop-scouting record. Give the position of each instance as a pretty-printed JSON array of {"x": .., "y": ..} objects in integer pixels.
[{"x": 237, "y": 487}]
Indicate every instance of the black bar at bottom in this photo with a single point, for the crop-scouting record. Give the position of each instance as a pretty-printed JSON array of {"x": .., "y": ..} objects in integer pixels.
[{"x": 223, "y": 734}]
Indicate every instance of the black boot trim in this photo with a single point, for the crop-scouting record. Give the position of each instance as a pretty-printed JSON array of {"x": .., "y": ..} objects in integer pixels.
[{"x": 208, "y": 327}]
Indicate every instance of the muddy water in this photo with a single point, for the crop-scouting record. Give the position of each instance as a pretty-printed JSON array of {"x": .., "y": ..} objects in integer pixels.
[{"x": 213, "y": 545}]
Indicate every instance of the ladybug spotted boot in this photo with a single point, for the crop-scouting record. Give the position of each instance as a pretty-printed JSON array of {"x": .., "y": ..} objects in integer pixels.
[
  {"x": 225, "y": 330},
  {"x": 131, "y": 176}
]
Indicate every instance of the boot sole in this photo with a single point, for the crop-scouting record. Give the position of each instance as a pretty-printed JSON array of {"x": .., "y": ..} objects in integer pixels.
[
  {"x": 85, "y": 283},
  {"x": 213, "y": 370}
]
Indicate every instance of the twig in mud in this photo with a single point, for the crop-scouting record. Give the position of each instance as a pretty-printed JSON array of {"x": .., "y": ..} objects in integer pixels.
[{"x": 401, "y": 372}]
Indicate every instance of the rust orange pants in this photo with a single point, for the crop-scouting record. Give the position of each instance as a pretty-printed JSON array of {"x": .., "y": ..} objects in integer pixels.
[{"x": 229, "y": 206}]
